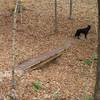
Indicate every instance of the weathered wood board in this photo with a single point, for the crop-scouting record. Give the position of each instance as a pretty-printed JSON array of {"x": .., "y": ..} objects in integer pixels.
[{"x": 42, "y": 59}]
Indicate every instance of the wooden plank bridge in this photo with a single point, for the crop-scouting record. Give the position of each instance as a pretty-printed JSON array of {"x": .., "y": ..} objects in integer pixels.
[{"x": 42, "y": 59}]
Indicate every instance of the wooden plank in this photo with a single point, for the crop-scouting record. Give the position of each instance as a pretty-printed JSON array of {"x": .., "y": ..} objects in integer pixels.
[
  {"x": 40, "y": 59},
  {"x": 47, "y": 60}
]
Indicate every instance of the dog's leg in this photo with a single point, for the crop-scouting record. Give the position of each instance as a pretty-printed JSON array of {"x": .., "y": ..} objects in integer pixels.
[
  {"x": 86, "y": 36},
  {"x": 78, "y": 37}
]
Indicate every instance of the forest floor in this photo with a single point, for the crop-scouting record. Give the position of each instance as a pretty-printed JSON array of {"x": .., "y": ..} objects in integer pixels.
[{"x": 70, "y": 76}]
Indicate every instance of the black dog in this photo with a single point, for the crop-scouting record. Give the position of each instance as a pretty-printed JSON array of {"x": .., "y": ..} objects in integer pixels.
[{"x": 82, "y": 31}]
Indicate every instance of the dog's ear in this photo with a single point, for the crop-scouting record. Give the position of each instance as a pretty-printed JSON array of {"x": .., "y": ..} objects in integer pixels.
[{"x": 89, "y": 25}]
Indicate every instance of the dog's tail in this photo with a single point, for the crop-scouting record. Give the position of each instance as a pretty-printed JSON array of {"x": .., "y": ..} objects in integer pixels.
[{"x": 76, "y": 34}]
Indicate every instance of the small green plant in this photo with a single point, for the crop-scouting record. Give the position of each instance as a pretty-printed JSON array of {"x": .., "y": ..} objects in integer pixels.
[
  {"x": 88, "y": 61},
  {"x": 37, "y": 86},
  {"x": 88, "y": 98},
  {"x": 94, "y": 56},
  {"x": 56, "y": 95}
]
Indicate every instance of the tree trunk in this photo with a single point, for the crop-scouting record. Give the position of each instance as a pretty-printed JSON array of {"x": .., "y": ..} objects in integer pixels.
[
  {"x": 70, "y": 13},
  {"x": 97, "y": 85},
  {"x": 55, "y": 16}
]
